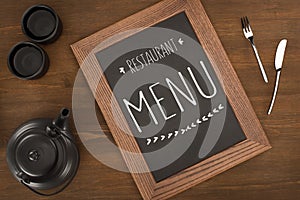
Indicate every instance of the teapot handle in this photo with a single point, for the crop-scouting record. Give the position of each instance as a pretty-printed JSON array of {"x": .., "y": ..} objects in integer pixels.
[{"x": 50, "y": 194}]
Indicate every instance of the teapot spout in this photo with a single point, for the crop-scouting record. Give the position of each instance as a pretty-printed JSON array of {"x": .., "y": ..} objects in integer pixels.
[{"x": 62, "y": 120}]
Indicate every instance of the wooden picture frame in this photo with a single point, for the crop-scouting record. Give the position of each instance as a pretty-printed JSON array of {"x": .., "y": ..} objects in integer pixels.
[{"x": 256, "y": 141}]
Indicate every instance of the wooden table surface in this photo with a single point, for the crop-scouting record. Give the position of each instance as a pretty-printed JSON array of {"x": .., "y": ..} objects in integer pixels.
[{"x": 272, "y": 175}]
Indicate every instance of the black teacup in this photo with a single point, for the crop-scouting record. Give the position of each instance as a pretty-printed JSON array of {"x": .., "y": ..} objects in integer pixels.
[
  {"x": 27, "y": 60},
  {"x": 41, "y": 24}
]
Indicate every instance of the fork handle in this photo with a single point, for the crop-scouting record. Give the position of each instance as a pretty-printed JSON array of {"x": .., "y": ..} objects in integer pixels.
[{"x": 261, "y": 67}]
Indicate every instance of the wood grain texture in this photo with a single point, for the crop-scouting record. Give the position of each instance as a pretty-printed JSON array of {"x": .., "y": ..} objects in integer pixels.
[
  {"x": 85, "y": 51},
  {"x": 273, "y": 175}
]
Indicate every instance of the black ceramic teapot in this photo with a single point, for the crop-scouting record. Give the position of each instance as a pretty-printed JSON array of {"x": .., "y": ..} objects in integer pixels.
[{"x": 42, "y": 154}]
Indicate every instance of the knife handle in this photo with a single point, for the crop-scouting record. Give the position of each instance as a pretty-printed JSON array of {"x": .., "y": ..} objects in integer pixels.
[
  {"x": 275, "y": 92},
  {"x": 261, "y": 67}
]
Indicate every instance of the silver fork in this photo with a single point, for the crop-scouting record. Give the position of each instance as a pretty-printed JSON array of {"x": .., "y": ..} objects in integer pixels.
[{"x": 249, "y": 35}]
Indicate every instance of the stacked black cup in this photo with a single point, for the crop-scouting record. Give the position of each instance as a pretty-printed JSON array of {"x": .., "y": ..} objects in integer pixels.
[{"x": 27, "y": 60}]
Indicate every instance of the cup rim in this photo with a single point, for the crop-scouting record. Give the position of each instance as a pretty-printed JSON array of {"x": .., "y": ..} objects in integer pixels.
[
  {"x": 10, "y": 61},
  {"x": 29, "y": 12}
]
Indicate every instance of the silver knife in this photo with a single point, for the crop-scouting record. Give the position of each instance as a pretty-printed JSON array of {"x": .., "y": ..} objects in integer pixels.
[{"x": 278, "y": 65}]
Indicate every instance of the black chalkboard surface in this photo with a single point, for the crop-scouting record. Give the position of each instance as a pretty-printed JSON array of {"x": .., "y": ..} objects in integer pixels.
[
  {"x": 176, "y": 29},
  {"x": 170, "y": 97}
]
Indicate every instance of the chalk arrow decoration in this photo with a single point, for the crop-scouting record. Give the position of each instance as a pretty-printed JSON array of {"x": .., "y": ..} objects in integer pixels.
[
  {"x": 193, "y": 125},
  {"x": 215, "y": 110},
  {"x": 198, "y": 121},
  {"x": 148, "y": 141},
  {"x": 176, "y": 133},
  {"x": 122, "y": 70},
  {"x": 180, "y": 41},
  {"x": 188, "y": 128},
  {"x": 203, "y": 151},
  {"x": 204, "y": 118},
  {"x": 221, "y": 107},
  {"x": 182, "y": 131}
]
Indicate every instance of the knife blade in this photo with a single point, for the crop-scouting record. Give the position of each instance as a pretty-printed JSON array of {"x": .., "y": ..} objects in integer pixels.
[
  {"x": 278, "y": 66},
  {"x": 280, "y": 54}
]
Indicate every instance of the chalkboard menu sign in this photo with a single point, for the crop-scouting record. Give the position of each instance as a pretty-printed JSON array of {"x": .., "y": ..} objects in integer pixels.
[{"x": 170, "y": 97}]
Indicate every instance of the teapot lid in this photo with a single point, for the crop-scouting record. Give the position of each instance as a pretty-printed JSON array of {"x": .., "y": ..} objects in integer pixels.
[
  {"x": 35, "y": 153},
  {"x": 42, "y": 159}
]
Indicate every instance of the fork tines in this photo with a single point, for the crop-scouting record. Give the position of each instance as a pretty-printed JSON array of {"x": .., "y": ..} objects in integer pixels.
[{"x": 245, "y": 23}]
